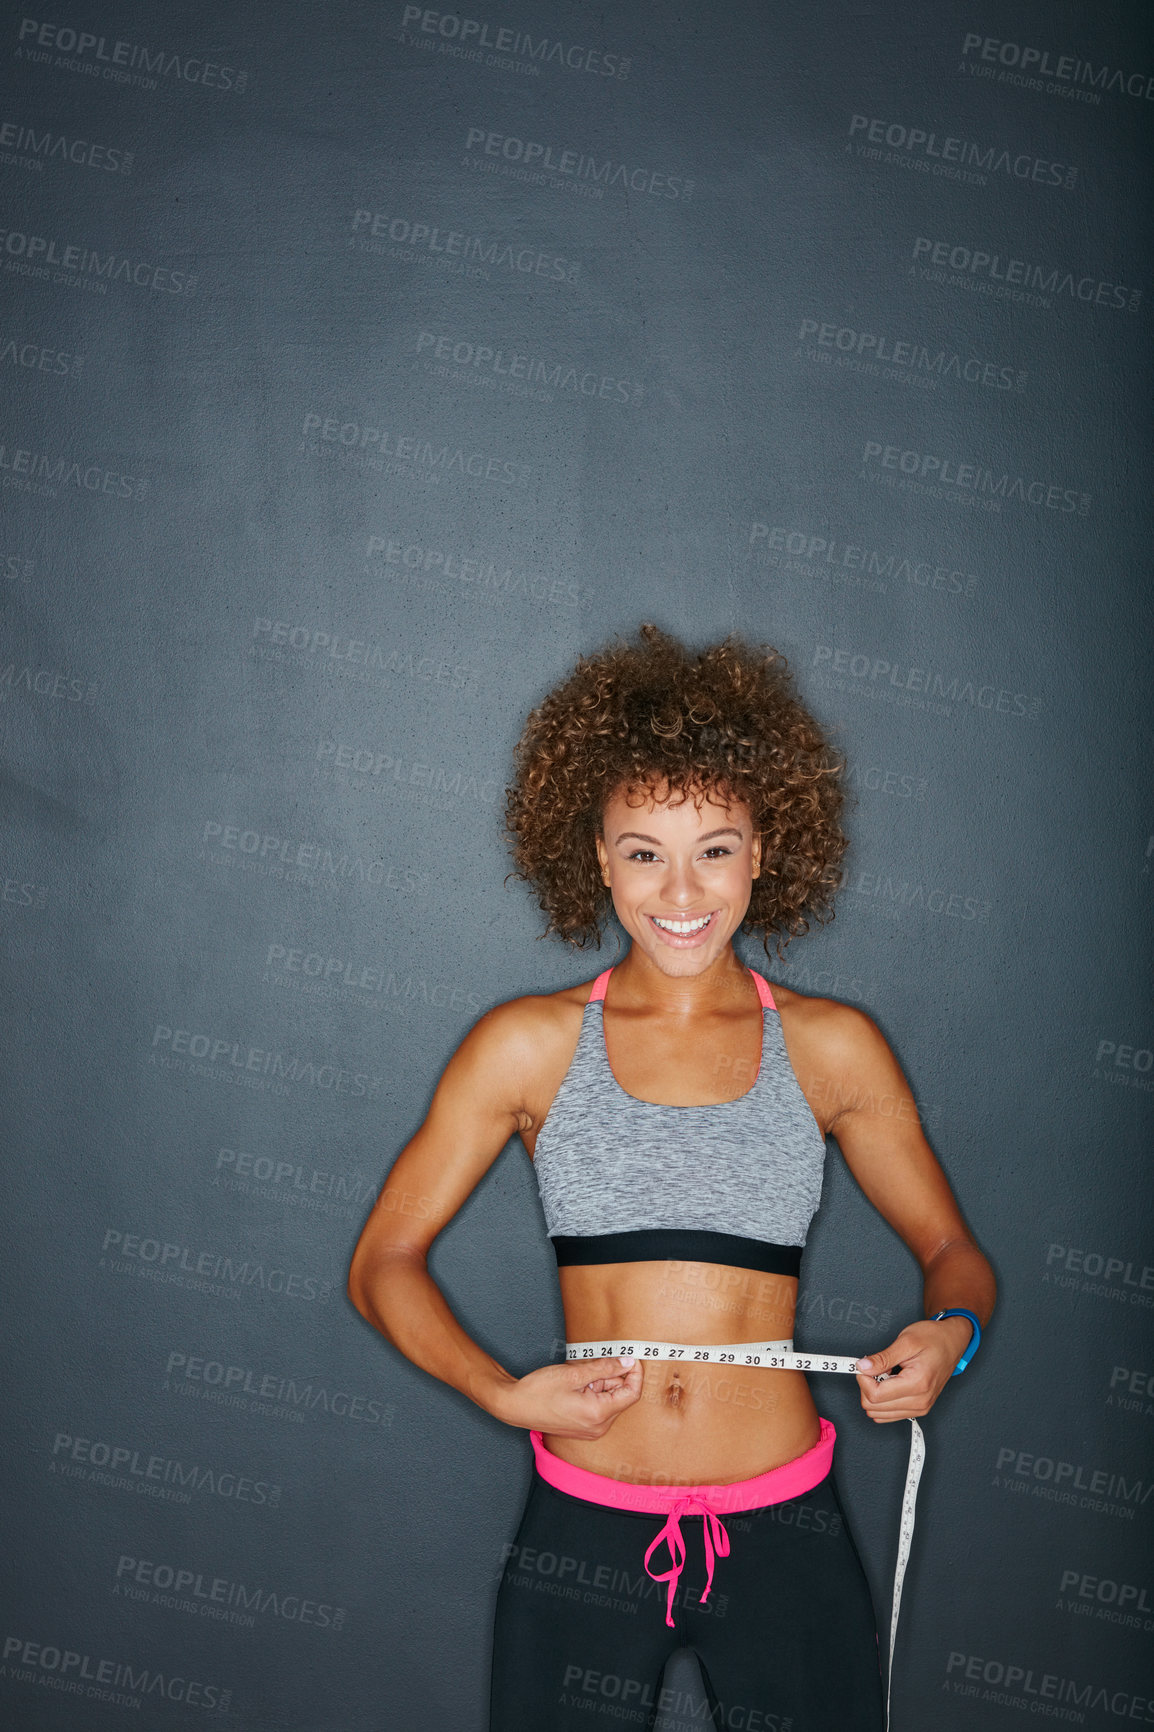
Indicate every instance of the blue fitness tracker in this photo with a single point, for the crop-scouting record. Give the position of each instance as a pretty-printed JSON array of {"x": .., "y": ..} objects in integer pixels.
[{"x": 975, "y": 1338}]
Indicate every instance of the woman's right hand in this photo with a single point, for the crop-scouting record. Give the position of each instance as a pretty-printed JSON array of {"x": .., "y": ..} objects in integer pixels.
[{"x": 580, "y": 1399}]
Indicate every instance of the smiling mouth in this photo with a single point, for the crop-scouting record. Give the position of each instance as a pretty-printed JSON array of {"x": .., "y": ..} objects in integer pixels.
[{"x": 682, "y": 928}]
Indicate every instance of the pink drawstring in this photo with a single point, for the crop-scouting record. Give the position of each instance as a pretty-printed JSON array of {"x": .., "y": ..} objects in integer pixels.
[{"x": 716, "y": 1543}]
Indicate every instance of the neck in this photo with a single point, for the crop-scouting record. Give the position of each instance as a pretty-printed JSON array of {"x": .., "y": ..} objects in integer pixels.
[{"x": 639, "y": 982}]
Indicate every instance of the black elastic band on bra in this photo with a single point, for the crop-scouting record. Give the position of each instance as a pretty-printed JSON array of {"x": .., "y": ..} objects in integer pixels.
[{"x": 672, "y": 1244}]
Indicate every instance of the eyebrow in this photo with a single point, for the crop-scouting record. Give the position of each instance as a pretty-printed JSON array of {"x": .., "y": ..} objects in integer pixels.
[{"x": 636, "y": 836}]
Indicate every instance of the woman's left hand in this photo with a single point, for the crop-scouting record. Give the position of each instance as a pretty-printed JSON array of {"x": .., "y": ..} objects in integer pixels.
[{"x": 927, "y": 1353}]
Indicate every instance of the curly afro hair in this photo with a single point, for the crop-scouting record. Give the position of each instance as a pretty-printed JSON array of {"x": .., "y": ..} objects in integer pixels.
[{"x": 653, "y": 714}]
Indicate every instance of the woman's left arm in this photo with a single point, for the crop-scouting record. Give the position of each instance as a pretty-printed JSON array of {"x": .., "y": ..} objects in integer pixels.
[{"x": 878, "y": 1128}]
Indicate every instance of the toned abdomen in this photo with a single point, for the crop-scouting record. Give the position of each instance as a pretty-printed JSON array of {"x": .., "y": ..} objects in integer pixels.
[{"x": 694, "y": 1424}]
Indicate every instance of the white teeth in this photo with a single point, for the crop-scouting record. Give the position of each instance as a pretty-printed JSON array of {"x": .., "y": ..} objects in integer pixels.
[{"x": 682, "y": 927}]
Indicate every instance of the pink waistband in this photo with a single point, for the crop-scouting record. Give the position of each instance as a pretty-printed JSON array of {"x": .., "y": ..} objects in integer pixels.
[
  {"x": 674, "y": 1501},
  {"x": 791, "y": 1479}
]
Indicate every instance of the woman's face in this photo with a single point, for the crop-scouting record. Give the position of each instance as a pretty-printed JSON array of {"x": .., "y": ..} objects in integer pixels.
[{"x": 680, "y": 873}]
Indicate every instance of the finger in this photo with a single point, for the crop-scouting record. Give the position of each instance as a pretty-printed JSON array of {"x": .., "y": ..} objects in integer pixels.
[
  {"x": 588, "y": 1370},
  {"x": 624, "y": 1392},
  {"x": 901, "y": 1406},
  {"x": 893, "y": 1385},
  {"x": 626, "y": 1370},
  {"x": 877, "y": 1383},
  {"x": 887, "y": 1358},
  {"x": 898, "y": 1402},
  {"x": 882, "y": 1376},
  {"x": 889, "y": 1417}
]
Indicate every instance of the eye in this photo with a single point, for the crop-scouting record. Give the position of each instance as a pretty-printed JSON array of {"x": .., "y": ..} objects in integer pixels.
[
  {"x": 718, "y": 848},
  {"x": 641, "y": 854}
]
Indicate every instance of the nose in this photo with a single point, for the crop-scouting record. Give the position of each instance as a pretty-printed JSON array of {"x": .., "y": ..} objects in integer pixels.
[{"x": 681, "y": 886}]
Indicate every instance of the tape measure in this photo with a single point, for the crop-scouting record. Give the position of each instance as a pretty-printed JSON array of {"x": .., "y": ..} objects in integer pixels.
[
  {"x": 765, "y": 1355},
  {"x": 780, "y": 1356}
]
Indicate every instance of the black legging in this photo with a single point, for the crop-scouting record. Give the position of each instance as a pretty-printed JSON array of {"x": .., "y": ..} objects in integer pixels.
[{"x": 786, "y": 1640}]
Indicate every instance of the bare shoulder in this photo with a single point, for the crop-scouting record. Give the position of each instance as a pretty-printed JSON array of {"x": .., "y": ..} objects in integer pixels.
[
  {"x": 826, "y": 1029},
  {"x": 827, "y": 1021},
  {"x": 524, "y": 1047},
  {"x": 533, "y": 1018},
  {"x": 532, "y": 1037}
]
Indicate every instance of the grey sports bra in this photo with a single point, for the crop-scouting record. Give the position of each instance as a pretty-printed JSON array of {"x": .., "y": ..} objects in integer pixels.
[{"x": 628, "y": 1181}]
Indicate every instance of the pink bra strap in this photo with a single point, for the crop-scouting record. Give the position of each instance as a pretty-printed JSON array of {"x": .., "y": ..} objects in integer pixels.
[{"x": 763, "y": 991}]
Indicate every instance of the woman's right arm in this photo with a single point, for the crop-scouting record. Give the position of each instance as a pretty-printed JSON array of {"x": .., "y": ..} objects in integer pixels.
[{"x": 479, "y": 1103}]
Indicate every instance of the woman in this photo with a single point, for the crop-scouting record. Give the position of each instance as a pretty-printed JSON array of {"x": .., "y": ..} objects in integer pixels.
[{"x": 676, "y": 1110}]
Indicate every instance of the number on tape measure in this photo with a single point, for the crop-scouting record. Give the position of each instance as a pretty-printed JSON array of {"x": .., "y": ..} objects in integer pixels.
[{"x": 766, "y": 1355}]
